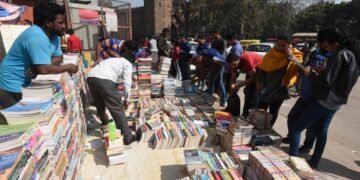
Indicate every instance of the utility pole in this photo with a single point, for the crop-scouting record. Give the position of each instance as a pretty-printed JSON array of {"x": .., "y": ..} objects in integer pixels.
[{"x": 288, "y": 21}]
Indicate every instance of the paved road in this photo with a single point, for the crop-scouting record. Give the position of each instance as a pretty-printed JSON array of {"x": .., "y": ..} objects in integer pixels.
[{"x": 341, "y": 159}]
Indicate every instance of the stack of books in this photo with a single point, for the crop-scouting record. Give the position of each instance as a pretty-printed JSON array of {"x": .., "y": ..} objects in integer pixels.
[
  {"x": 242, "y": 152},
  {"x": 302, "y": 168},
  {"x": 188, "y": 86},
  {"x": 225, "y": 165},
  {"x": 45, "y": 137},
  {"x": 238, "y": 133},
  {"x": 144, "y": 76},
  {"x": 179, "y": 132},
  {"x": 169, "y": 87},
  {"x": 267, "y": 166},
  {"x": 134, "y": 96},
  {"x": 156, "y": 85},
  {"x": 165, "y": 64},
  {"x": 115, "y": 149}
]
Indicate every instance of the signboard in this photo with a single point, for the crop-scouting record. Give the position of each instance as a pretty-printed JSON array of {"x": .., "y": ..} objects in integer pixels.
[{"x": 111, "y": 21}]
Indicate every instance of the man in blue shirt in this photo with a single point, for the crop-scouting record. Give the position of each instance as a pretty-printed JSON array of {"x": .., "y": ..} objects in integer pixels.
[
  {"x": 36, "y": 51},
  {"x": 234, "y": 55}
]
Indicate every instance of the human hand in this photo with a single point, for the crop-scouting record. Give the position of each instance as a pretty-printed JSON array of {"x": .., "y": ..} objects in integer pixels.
[
  {"x": 307, "y": 70},
  {"x": 126, "y": 105},
  {"x": 32, "y": 72},
  {"x": 72, "y": 68}
]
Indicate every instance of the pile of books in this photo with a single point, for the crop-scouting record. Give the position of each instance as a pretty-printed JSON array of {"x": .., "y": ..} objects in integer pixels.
[
  {"x": 134, "y": 95},
  {"x": 45, "y": 137},
  {"x": 144, "y": 76},
  {"x": 267, "y": 166},
  {"x": 156, "y": 85},
  {"x": 169, "y": 86},
  {"x": 238, "y": 133},
  {"x": 115, "y": 149},
  {"x": 179, "y": 132},
  {"x": 188, "y": 86},
  {"x": 224, "y": 165},
  {"x": 165, "y": 64}
]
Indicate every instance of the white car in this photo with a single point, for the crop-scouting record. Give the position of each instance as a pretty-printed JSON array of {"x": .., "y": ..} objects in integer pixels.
[{"x": 260, "y": 48}]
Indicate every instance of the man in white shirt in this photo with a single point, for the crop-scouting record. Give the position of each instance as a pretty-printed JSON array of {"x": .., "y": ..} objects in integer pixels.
[{"x": 102, "y": 84}]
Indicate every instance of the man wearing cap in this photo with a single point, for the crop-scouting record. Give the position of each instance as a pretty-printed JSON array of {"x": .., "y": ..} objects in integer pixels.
[{"x": 102, "y": 81}]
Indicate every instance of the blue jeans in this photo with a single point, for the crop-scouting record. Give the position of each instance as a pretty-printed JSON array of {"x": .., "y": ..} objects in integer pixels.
[
  {"x": 317, "y": 117},
  {"x": 215, "y": 74},
  {"x": 299, "y": 107}
]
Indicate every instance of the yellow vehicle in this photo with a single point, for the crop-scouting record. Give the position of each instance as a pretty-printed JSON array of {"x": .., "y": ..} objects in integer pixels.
[{"x": 246, "y": 42}]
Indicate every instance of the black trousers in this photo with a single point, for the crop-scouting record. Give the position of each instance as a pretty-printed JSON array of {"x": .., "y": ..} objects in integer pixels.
[
  {"x": 8, "y": 99},
  {"x": 105, "y": 94},
  {"x": 249, "y": 92},
  {"x": 273, "y": 107}
]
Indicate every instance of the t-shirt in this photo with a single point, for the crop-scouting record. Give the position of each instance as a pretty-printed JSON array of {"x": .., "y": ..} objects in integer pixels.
[
  {"x": 249, "y": 62},
  {"x": 32, "y": 47},
  {"x": 114, "y": 69},
  {"x": 219, "y": 45},
  {"x": 74, "y": 43},
  {"x": 236, "y": 50}
]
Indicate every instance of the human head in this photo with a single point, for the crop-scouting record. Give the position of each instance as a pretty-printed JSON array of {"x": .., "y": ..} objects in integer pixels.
[
  {"x": 216, "y": 34},
  {"x": 165, "y": 32},
  {"x": 181, "y": 38},
  {"x": 70, "y": 31},
  {"x": 283, "y": 42},
  {"x": 231, "y": 39},
  {"x": 331, "y": 38},
  {"x": 200, "y": 39},
  {"x": 50, "y": 16},
  {"x": 130, "y": 47}
]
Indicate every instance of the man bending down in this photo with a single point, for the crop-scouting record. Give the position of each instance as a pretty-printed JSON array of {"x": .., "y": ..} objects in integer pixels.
[{"x": 102, "y": 84}]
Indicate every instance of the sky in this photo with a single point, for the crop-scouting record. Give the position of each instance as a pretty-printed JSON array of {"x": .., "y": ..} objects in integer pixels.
[{"x": 137, "y": 3}]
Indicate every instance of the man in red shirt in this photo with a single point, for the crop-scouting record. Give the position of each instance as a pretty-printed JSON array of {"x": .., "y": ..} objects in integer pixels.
[
  {"x": 73, "y": 42},
  {"x": 247, "y": 63}
]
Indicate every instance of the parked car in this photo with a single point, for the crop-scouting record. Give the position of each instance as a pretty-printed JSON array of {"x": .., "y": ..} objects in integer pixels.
[{"x": 260, "y": 48}]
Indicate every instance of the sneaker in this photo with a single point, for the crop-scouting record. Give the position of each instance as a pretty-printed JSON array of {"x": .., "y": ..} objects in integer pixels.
[
  {"x": 304, "y": 150},
  {"x": 285, "y": 140},
  {"x": 129, "y": 140},
  {"x": 312, "y": 165}
]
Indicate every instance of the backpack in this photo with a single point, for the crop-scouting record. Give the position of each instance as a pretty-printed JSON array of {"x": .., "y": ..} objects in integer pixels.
[{"x": 233, "y": 105}]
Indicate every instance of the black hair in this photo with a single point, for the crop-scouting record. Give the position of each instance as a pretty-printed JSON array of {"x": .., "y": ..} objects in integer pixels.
[
  {"x": 215, "y": 31},
  {"x": 181, "y": 36},
  {"x": 165, "y": 30},
  {"x": 70, "y": 31},
  {"x": 200, "y": 37},
  {"x": 231, "y": 36},
  {"x": 338, "y": 35},
  {"x": 284, "y": 37},
  {"x": 28, "y": 22},
  {"x": 131, "y": 45},
  {"x": 45, "y": 10}
]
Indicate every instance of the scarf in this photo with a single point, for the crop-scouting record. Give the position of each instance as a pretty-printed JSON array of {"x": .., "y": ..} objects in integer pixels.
[
  {"x": 275, "y": 60},
  {"x": 110, "y": 48}
]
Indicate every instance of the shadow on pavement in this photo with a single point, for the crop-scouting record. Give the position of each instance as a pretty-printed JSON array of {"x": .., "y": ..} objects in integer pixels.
[{"x": 331, "y": 168}]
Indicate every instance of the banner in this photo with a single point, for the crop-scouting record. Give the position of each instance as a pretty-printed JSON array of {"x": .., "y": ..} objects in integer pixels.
[{"x": 111, "y": 21}]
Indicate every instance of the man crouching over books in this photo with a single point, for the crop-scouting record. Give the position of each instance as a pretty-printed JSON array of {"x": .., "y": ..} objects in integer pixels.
[{"x": 102, "y": 84}]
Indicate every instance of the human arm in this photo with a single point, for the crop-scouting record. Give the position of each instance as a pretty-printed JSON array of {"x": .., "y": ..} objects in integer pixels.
[
  {"x": 127, "y": 79},
  {"x": 248, "y": 81},
  {"x": 57, "y": 60}
]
